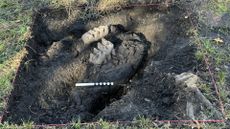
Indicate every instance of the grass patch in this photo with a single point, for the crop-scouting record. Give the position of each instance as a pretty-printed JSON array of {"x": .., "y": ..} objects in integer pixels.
[
  {"x": 5, "y": 88},
  {"x": 15, "y": 18},
  {"x": 139, "y": 123},
  {"x": 105, "y": 5},
  {"x": 216, "y": 50},
  {"x": 2, "y": 48},
  {"x": 217, "y": 57},
  {"x": 25, "y": 125},
  {"x": 222, "y": 78},
  {"x": 219, "y": 6},
  {"x": 7, "y": 71}
]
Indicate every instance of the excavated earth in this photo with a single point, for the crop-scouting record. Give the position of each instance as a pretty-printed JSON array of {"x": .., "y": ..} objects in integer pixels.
[{"x": 153, "y": 47}]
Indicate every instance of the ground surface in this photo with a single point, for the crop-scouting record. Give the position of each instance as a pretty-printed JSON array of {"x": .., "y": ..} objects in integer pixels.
[{"x": 44, "y": 89}]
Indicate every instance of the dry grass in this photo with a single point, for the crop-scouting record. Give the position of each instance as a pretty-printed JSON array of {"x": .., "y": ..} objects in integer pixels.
[
  {"x": 68, "y": 3},
  {"x": 13, "y": 63},
  {"x": 7, "y": 71},
  {"x": 107, "y": 5},
  {"x": 219, "y": 6},
  {"x": 216, "y": 50},
  {"x": 102, "y": 5}
]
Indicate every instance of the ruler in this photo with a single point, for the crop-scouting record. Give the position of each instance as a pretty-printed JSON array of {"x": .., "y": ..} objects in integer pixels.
[{"x": 94, "y": 84}]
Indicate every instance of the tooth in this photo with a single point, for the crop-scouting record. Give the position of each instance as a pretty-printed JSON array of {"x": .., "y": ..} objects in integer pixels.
[
  {"x": 105, "y": 42},
  {"x": 109, "y": 57},
  {"x": 113, "y": 52},
  {"x": 101, "y": 47},
  {"x": 95, "y": 50},
  {"x": 91, "y": 32},
  {"x": 97, "y": 57},
  {"x": 91, "y": 57}
]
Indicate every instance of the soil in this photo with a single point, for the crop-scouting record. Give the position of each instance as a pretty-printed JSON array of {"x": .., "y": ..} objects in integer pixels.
[{"x": 153, "y": 48}]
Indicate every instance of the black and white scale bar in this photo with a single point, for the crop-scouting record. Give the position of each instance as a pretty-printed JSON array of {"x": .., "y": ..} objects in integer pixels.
[{"x": 94, "y": 84}]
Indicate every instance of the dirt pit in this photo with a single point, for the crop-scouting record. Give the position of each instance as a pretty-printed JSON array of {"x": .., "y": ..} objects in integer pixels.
[{"x": 150, "y": 48}]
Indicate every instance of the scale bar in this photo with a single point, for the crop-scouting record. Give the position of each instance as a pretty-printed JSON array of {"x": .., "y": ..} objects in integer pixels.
[{"x": 94, "y": 84}]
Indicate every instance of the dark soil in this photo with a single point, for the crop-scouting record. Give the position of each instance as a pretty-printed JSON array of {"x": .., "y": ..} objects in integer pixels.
[{"x": 154, "y": 47}]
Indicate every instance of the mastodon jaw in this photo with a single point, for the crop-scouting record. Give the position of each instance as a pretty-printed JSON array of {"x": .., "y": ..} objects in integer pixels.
[{"x": 95, "y": 34}]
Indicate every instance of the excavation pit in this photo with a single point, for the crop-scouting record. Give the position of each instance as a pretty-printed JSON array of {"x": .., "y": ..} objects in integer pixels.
[{"x": 150, "y": 47}]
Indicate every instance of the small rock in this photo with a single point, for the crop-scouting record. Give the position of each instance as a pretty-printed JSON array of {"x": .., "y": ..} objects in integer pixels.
[
  {"x": 188, "y": 79},
  {"x": 147, "y": 100},
  {"x": 217, "y": 69}
]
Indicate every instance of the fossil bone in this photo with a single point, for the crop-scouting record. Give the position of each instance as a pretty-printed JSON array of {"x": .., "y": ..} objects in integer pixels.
[
  {"x": 100, "y": 32},
  {"x": 103, "y": 51},
  {"x": 95, "y": 34},
  {"x": 97, "y": 57},
  {"x": 105, "y": 46}
]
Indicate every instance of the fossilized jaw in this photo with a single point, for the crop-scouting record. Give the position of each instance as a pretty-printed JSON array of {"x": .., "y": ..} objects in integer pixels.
[
  {"x": 95, "y": 34},
  {"x": 100, "y": 32},
  {"x": 103, "y": 51}
]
